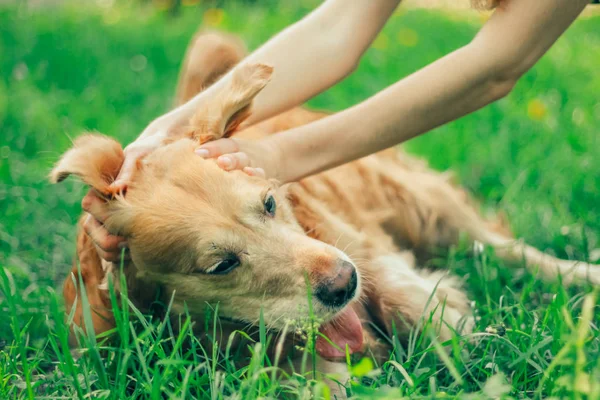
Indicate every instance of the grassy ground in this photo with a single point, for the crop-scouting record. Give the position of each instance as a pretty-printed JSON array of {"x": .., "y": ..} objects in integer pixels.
[{"x": 114, "y": 69}]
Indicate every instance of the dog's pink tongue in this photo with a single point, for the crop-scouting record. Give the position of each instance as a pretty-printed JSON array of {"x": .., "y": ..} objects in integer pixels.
[{"x": 344, "y": 329}]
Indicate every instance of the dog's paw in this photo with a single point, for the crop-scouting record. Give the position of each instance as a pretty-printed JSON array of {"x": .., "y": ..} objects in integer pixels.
[{"x": 449, "y": 290}]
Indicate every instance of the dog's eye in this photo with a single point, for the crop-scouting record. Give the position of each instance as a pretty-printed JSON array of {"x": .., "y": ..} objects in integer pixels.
[
  {"x": 225, "y": 266},
  {"x": 270, "y": 206}
]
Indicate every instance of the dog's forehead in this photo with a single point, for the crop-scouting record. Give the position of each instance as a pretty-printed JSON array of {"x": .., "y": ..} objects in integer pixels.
[
  {"x": 176, "y": 184},
  {"x": 177, "y": 164}
]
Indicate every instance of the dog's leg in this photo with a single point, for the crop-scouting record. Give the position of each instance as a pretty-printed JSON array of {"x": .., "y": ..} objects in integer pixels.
[
  {"x": 209, "y": 56},
  {"x": 400, "y": 295},
  {"x": 433, "y": 212}
]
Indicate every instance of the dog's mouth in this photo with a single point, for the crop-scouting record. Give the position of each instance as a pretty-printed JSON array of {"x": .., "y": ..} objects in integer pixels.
[{"x": 343, "y": 332}]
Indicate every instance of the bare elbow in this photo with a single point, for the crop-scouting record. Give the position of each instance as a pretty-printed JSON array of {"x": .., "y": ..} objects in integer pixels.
[
  {"x": 344, "y": 66},
  {"x": 349, "y": 52},
  {"x": 352, "y": 65},
  {"x": 503, "y": 66},
  {"x": 334, "y": 38},
  {"x": 507, "y": 72},
  {"x": 505, "y": 75},
  {"x": 500, "y": 88}
]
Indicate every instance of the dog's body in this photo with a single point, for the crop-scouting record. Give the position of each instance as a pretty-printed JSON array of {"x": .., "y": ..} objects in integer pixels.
[{"x": 184, "y": 216}]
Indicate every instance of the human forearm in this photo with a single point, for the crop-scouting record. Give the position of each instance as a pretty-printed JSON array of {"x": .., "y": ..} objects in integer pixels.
[
  {"x": 460, "y": 83},
  {"x": 308, "y": 57},
  {"x": 317, "y": 52},
  {"x": 394, "y": 115}
]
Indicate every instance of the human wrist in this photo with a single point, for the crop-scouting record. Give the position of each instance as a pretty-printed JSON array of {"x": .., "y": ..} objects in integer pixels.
[{"x": 280, "y": 164}]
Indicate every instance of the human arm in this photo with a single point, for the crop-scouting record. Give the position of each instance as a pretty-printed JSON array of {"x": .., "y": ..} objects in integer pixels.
[
  {"x": 334, "y": 28},
  {"x": 486, "y": 69},
  {"x": 109, "y": 247}
]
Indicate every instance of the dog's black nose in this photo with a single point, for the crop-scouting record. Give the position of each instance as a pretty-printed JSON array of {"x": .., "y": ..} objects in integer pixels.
[{"x": 336, "y": 292}]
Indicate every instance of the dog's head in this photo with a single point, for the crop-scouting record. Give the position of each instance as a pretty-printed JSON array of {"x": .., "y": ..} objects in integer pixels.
[{"x": 213, "y": 236}]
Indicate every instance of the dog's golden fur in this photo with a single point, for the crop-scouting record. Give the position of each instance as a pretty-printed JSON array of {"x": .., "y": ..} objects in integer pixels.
[{"x": 181, "y": 213}]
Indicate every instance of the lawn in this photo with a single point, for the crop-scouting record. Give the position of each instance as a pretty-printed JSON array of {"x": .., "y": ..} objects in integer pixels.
[{"x": 113, "y": 69}]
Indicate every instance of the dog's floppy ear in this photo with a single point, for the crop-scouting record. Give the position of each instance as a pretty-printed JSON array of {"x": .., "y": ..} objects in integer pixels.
[
  {"x": 94, "y": 158},
  {"x": 231, "y": 105}
]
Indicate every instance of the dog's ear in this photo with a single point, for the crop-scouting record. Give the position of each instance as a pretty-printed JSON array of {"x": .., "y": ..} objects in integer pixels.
[
  {"x": 230, "y": 106},
  {"x": 95, "y": 159}
]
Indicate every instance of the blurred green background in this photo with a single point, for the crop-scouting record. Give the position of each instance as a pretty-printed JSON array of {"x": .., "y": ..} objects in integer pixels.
[{"x": 112, "y": 66}]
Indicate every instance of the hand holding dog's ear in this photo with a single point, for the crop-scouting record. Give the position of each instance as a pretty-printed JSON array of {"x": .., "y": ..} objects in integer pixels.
[
  {"x": 213, "y": 126},
  {"x": 132, "y": 155},
  {"x": 216, "y": 115},
  {"x": 96, "y": 160},
  {"x": 230, "y": 104},
  {"x": 109, "y": 247}
]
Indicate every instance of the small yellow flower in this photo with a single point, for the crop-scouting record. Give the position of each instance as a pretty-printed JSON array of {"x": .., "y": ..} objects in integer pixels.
[
  {"x": 408, "y": 37},
  {"x": 213, "y": 16},
  {"x": 163, "y": 4},
  {"x": 382, "y": 42},
  {"x": 536, "y": 110}
]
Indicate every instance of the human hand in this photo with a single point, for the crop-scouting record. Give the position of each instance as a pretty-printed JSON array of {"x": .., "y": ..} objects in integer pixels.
[
  {"x": 109, "y": 247},
  {"x": 151, "y": 138},
  {"x": 260, "y": 158}
]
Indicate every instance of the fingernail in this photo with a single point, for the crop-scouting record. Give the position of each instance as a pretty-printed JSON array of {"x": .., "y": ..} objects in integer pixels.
[
  {"x": 202, "y": 152},
  {"x": 118, "y": 186},
  {"x": 225, "y": 162}
]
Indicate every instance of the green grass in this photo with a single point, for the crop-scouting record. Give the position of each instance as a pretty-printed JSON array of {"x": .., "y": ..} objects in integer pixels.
[{"x": 531, "y": 156}]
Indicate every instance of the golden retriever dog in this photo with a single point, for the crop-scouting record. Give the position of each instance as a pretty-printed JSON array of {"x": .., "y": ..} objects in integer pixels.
[{"x": 349, "y": 236}]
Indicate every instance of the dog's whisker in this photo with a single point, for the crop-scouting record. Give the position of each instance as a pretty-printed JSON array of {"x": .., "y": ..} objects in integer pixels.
[
  {"x": 308, "y": 232},
  {"x": 338, "y": 239},
  {"x": 348, "y": 245}
]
